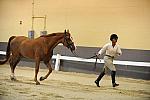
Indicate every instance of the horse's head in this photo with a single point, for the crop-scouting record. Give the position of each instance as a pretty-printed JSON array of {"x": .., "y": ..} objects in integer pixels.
[{"x": 68, "y": 41}]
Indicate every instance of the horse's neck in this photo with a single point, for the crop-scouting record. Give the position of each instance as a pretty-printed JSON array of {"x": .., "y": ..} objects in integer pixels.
[{"x": 54, "y": 41}]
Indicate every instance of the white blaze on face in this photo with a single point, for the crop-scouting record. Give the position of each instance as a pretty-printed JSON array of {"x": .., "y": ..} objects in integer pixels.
[
  {"x": 71, "y": 38},
  {"x": 75, "y": 46},
  {"x": 73, "y": 42}
]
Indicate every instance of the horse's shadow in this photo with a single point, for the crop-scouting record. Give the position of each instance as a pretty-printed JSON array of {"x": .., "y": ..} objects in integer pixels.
[{"x": 28, "y": 82}]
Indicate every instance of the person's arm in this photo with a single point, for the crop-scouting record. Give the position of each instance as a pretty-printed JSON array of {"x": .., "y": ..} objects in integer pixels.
[
  {"x": 119, "y": 52},
  {"x": 103, "y": 50}
]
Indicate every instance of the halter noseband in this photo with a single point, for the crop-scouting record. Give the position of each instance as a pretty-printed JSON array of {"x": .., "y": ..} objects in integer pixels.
[{"x": 69, "y": 43}]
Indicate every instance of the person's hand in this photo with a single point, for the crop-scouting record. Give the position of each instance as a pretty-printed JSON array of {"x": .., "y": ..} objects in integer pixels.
[
  {"x": 97, "y": 54},
  {"x": 118, "y": 54}
]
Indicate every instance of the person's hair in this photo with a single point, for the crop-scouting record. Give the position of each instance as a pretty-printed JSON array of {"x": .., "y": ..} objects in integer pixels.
[{"x": 113, "y": 36}]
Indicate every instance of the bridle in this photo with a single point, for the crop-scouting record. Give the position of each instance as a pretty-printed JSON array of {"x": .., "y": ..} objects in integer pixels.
[{"x": 69, "y": 43}]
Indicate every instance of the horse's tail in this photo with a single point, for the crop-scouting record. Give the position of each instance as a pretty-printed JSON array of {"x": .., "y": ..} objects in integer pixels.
[{"x": 8, "y": 51}]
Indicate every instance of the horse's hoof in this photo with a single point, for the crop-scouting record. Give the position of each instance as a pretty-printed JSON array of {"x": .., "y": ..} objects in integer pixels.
[
  {"x": 42, "y": 78},
  {"x": 13, "y": 78},
  {"x": 37, "y": 83}
]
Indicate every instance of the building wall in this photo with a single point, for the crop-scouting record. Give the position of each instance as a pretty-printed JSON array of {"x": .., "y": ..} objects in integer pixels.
[{"x": 90, "y": 21}]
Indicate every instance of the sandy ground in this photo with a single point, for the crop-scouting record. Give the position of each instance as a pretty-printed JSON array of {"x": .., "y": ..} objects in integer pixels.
[{"x": 68, "y": 86}]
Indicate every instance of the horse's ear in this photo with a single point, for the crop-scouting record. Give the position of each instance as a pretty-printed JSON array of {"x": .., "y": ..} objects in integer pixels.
[{"x": 67, "y": 30}]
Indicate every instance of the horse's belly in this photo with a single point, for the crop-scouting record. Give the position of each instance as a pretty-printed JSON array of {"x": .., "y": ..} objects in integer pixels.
[{"x": 27, "y": 51}]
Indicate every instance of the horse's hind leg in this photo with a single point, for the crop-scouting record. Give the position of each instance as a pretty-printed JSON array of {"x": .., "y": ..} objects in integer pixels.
[
  {"x": 14, "y": 60},
  {"x": 50, "y": 70}
]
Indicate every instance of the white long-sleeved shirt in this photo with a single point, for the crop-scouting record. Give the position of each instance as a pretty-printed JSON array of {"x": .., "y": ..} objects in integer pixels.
[{"x": 108, "y": 49}]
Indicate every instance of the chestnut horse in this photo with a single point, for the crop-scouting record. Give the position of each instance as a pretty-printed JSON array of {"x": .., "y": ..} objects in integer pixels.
[{"x": 39, "y": 49}]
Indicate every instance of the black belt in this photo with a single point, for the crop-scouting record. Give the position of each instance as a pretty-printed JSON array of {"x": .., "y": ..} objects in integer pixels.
[{"x": 109, "y": 56}]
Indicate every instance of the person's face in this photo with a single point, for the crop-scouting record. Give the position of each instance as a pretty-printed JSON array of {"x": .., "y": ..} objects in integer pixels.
[{"x": 114, "y": 41}]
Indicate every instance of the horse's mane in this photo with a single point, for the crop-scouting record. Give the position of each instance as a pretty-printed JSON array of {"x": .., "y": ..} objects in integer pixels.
[
  {"x": 53, "y": 34},
  {"x": 49, "y": 35}
]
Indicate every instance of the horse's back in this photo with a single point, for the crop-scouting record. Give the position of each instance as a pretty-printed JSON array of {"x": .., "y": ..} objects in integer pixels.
[
  {"x": 18, "y": 40},
  {"x": 26, "y": 47}
]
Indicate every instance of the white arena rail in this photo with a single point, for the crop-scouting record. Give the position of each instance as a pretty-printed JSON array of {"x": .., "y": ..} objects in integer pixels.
[{"x": 58, "y": 57}]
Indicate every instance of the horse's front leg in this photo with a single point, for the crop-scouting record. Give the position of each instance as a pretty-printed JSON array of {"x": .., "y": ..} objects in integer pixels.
[
  {"x": 47, "y": 63},
  {"x": 36, "y": 71}
]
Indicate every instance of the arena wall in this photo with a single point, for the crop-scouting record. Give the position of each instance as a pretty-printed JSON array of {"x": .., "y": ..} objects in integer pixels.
[{"x": 140, "y": 72}]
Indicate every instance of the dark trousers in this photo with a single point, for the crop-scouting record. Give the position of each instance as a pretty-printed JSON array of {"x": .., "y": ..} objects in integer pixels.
[{"x": 113, "y": 74}]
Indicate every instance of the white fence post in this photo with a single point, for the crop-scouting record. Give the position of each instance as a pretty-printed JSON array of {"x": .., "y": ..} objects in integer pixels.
[{"x": 57, "y": 63}]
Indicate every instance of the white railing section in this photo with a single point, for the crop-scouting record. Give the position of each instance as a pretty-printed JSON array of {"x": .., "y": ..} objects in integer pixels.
[
  {"x": 2, "y": 52},
  {"x": 58, "y": 57}
]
